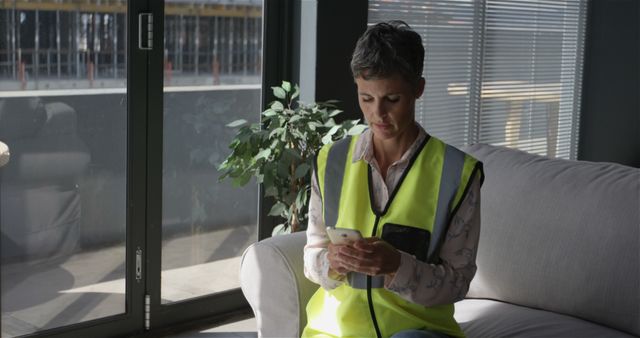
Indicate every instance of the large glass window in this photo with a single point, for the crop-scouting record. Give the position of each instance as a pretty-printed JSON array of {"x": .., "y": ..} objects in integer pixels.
[
  {"x": 500, "y": 72},
  {"x": 77, "y": 214}
]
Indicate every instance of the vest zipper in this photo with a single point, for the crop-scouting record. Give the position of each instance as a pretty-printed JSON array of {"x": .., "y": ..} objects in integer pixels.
[{"x": 369, "y": 298}]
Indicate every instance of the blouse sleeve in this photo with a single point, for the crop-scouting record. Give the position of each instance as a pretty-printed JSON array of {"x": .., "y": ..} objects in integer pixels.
[{"x": 445, "y": 283}]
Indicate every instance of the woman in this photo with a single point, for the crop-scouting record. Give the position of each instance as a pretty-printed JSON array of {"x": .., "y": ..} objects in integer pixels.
[{"x": 415, "y": 200}]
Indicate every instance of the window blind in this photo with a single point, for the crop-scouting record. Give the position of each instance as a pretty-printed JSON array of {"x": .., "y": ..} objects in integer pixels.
[{"x": 500, "y": 72}]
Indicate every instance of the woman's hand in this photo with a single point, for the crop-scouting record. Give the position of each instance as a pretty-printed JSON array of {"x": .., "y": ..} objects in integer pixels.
[
  {"x": 335, "y": 260},
  {"x": 371, "y": 256}
]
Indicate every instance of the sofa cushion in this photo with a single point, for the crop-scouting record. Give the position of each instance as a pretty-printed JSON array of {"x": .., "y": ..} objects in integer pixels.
[
  {"x": 488, "y": 318},
  {"x": 560, "y": 235},
  {"x": 46, "y": 160}
]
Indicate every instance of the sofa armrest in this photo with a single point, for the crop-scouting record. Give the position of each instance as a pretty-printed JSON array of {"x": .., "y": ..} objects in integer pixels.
[{"x": 272, "y": 279}]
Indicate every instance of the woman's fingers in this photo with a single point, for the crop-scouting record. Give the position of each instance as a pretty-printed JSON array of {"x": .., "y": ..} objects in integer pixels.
[
  {"x": 370, "y": 256},
  {"x": 336, "y": 260},
  {"x": 374, "y": 257}
]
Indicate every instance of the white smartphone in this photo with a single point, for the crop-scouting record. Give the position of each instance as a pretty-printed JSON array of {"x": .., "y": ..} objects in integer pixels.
[{"x": 343, "y": 236}]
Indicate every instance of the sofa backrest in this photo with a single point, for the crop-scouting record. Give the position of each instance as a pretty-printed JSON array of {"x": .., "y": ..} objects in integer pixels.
[
  {"x": 21, "y": 117},
  {"x": 560, "y": 235}
]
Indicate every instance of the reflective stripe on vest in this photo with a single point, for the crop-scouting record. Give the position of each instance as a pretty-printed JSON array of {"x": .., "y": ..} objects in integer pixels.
[
  {"x": 449, "y": 182},
  {"x": 336, "y": 160}
]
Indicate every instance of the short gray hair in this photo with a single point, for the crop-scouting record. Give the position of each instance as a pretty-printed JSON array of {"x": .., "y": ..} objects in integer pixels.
[{"x": 386, "y": 49}]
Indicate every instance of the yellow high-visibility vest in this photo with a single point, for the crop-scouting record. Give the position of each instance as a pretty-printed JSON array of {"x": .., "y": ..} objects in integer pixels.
[{"x": 415, "y": 220}]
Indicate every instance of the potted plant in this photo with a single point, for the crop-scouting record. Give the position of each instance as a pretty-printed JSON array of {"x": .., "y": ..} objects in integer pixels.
[{"x": 279, "y": 151}]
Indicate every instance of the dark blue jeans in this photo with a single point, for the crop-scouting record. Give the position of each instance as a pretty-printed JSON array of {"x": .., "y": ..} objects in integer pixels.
[{"x": 419, "y": 334}]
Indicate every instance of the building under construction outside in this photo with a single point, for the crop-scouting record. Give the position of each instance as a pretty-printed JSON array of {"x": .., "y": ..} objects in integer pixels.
[{"x": 58, "y": 44}]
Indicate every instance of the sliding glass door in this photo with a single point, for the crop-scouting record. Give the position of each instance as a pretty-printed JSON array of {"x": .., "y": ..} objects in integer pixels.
[
  {"x": 63, "y": 192},
  {"x": 206, "y": 74},
  {"x": 212, "y": 76}
]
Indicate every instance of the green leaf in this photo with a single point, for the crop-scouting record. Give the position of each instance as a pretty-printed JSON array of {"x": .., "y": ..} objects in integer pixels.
[
  {"x": 237, "y": 123},
  {"x": 255, "y": 127},
  {"x": 314, "y": 124},
  {"x": 292, "y": 154},
  {"x": 283, "y": 169},
  {"x": 264, "y": 153},
  {"x": 277, "y": 106},
  {"x": 268, "y": 113},
  {"x": 357, "y": 129},
  {"x": 335, "y": 112},
  {"x": 268, "y": 169},
  {"x": 295, "y": 132},
  {"x": 279, "y": 92},
  {"x": 271, "y": 191},
  {"x": 296, "y": 92},
  {"x": 223, "y": 176},
  {"x": 333, "y": 130},
  {"x": 242, "y": 180},
  {"x": 277, "y": 209},
  {"x": 294, "y": 118},
  {"x": 276, "y": 132},
  {"x": 281, "y": 229},
  {"x": 302, "y": 170},
  {"x": 330, "y": 123},
  {"x": 301, "y": 199},
  {"x": 326, "y": 139},
  {"x": 286, "y": 86}
]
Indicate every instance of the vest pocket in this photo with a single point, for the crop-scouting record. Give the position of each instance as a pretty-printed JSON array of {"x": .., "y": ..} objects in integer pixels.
[{"x": 412, "y": 240}]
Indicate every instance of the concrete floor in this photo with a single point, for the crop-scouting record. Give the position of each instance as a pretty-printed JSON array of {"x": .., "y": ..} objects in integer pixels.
[{"x": 55, "y": 292}]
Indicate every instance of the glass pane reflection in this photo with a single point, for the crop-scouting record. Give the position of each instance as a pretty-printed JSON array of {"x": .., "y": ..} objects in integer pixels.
[
  {"x": 212, "y": 77},
  {"x": 62, "y": 194}
]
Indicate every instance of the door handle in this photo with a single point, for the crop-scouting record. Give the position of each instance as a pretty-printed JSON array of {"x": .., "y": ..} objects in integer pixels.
[{"x": 145, "y": 31}]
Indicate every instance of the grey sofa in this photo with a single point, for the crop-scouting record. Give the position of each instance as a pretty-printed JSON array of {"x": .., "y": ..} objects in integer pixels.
[{"x": 559, "y": 255}]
